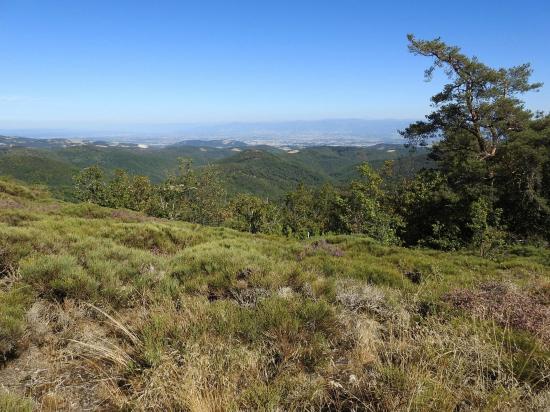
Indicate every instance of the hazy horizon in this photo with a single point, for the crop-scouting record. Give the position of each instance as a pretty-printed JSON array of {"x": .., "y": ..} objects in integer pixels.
[
  {"x": 107, "y": 64},
  {"x": 328, "y": 131}
]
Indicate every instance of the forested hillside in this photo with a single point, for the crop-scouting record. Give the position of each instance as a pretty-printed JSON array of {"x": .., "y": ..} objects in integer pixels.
[{"x": 261, "y": 170}]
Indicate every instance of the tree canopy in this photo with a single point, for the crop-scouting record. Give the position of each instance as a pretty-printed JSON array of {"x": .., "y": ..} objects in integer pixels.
[{"x": 481, "y": 101}]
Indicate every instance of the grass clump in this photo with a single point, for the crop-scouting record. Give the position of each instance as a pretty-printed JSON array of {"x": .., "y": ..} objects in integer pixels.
[
  {"x": 14, "y": 403},
  {"x": 58, "y": 277},
  {"x": 13, "y": 306}
]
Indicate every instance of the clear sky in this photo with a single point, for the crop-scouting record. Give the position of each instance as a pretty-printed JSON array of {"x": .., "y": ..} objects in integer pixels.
[{"x": 101, "y": 62}]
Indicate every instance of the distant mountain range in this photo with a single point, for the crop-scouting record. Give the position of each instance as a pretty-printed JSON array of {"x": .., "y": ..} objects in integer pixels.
[{"x": 341, "y": 132}]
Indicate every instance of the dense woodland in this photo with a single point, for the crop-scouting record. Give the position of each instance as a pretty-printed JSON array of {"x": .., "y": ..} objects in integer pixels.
[{"x": 488, "y": 183}]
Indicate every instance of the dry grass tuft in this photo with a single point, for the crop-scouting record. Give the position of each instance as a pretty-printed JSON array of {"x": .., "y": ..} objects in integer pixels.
[
  {"x": 322, "y": 246},
  {"x": 507, "y": 306}
]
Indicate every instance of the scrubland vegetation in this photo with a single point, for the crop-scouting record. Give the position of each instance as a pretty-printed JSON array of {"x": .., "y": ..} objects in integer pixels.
[
  {"x": 110, "y": 309},
  {"x": 389, "y": 293}
]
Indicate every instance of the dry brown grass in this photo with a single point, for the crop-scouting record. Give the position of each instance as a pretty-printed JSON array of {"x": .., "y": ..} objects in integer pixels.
[
  {"x": 98, "y": 362},
  {"x": 507, "y": 305}
]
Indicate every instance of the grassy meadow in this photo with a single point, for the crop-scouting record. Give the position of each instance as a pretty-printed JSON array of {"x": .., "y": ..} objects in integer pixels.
[{"x": 104, "y": 309}]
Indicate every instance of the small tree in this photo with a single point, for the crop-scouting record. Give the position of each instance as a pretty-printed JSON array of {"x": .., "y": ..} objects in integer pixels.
[
  {"x": 523, "y": 180},
  {"x": 327, "y": 209},
  {"x": 209, "y": 200},
  {"x": 433, "y": 213},
  {"x": 252, "y": 214},
  {"x": 140, "y": 193},
  {"x": 300, "y": 212},
  {"x": 90, "y": 186},
  {"x": 189, "y": 195},
  {"x": 365, "y": 209},
  {"x": 117, "y": 190},
  {"x": 484, "y": 224}
]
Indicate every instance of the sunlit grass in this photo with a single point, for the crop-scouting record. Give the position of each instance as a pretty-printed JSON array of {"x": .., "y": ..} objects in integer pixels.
[{"x": 173, "y": 316}]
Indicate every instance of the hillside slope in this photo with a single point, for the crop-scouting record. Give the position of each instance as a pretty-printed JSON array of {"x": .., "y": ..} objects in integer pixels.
[
  {"x": 261, "y": 170},
  {"x": 273, "y": 172},
  {"x": 266, "y": 173},
  {"x": 106, "y": 309},
  {"x": 38, "y": 167}
]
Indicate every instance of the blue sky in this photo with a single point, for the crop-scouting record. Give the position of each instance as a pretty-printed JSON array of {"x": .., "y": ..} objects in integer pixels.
[{"x": 100, "y": 62}]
